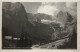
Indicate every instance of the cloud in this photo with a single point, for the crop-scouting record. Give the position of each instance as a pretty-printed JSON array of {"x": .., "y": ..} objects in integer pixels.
[{"x": 48, "y": 9}]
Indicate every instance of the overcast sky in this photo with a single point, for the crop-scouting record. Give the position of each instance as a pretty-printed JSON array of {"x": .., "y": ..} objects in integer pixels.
[
  {"x": 31, "y": 7},
  {"x": 50, "y": 7}
]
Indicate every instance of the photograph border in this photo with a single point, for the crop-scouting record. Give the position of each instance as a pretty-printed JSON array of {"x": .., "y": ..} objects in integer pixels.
[{"x": 44, "y": 50}]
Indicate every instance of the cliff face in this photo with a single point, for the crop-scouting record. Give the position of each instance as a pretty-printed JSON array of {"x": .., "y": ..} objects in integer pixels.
[{"x": 14, "y": 18}]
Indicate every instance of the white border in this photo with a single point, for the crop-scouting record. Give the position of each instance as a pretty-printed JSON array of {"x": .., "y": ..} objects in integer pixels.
[{"x": 42, "y": 50}]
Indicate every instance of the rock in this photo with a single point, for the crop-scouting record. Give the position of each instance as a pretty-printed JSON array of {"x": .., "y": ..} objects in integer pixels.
[{"x": 14, "y": 18}]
